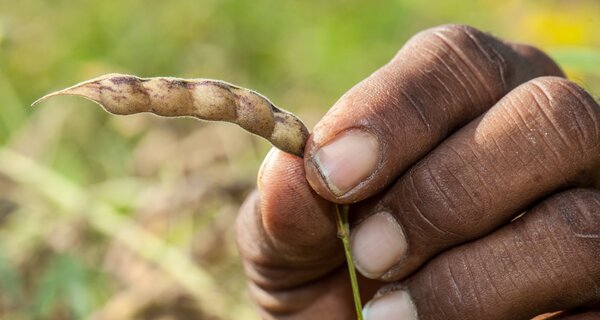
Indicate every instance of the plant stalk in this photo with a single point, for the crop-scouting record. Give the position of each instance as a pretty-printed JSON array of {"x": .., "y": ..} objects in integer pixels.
[{"x": 344, "y": 233}]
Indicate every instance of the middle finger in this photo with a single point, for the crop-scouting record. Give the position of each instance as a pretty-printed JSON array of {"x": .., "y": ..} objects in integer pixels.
[{"x": 540, "y": 137}]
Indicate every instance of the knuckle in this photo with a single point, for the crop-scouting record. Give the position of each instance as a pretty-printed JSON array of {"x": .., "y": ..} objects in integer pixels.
[
  {"x": 571, "y": 115},
  {"x": 476, "y": 59},
  {"x": 458, "y": 33},
  {"x": 574, "y": 217},
  {"x": 443, "y": 201},
  {"x": 579, "y": 211},
  {"x": 454, "y": 273},
  {"x": 536, "y": 61}
]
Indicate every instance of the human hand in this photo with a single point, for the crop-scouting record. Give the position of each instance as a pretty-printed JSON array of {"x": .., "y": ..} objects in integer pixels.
[{"x": 437, "y": 152}]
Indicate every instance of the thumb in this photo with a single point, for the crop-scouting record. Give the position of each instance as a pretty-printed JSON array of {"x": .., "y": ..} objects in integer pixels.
[{"x": 286, "y": 233}]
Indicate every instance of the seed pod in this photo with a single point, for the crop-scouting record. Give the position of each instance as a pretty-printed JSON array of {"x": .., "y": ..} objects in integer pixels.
[{"x": 200, "y": 98}]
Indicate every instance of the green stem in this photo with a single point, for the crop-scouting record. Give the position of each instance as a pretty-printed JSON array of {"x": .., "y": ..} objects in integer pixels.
[{"x": 344, "y": 234}]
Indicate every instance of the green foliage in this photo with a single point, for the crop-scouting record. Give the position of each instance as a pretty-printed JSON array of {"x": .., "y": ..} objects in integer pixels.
[
  {"x": 10, "y": 283},
  {"x": 582, "y": 60},
  {"x": 63, "y": 282}
]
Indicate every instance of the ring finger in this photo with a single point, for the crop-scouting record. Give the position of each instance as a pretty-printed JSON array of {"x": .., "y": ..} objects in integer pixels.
[{"x": 543, "y": 262}]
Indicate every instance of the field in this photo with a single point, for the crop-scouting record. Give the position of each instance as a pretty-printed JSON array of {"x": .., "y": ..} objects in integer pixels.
[{"x": 105, "y": 217}]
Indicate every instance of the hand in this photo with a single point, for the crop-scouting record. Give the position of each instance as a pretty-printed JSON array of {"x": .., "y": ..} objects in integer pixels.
[{"x": 439, "y": 152}]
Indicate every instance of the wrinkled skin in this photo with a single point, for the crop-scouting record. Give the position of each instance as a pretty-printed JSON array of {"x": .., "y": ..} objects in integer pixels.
[{"x": 471, "y": 132}]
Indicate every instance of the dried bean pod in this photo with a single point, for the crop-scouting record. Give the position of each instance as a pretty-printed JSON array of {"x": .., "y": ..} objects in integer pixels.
[{"x": 200, "y": 98}]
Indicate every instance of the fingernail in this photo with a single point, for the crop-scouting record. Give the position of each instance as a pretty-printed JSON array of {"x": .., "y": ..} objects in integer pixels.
[
  {"x": 347, "y": 160},
  {"x": 396, "y": 305},
  {"x": 377, "y": 244}
]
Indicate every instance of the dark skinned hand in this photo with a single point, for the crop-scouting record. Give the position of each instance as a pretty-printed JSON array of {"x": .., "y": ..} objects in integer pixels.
[{"x": 468, "y": 164}]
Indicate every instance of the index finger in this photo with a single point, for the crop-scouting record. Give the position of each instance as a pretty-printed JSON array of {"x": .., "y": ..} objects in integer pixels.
[{"x": 442, "y": 78}]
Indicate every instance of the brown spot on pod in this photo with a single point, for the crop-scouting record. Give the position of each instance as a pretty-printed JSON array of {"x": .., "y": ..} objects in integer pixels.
[{"x": 200, "y": 98}]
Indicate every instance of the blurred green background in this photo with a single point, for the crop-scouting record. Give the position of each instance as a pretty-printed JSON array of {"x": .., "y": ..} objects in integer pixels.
[{"x": 131, "y": 217}]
